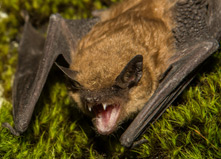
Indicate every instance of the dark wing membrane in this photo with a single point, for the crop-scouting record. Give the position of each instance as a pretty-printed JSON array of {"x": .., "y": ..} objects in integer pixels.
[
  {"x": 36, "y": 57},
  {"x": 181, "y": 73},
  {"x": 214, "y": 19},
  {"x": 30, "y": 53}
]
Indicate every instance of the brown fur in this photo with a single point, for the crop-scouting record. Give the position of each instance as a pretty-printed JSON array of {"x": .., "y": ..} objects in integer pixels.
[{"x": 127, "y": 29}]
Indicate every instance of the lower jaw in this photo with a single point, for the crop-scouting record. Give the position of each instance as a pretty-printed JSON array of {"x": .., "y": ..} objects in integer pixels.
[
  {"x": 106, "y": 129},
  {"x": 107, "y": 132}
]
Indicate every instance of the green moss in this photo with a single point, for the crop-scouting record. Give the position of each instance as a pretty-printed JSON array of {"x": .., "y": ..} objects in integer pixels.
[{"x": 191, "y": 129}]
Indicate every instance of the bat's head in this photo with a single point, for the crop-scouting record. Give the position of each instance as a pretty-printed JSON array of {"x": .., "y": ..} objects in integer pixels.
[{"x": 107, "y": 105}]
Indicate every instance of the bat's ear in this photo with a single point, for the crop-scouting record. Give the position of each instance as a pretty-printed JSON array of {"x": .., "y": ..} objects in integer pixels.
[
  {"x": 68, "y": 72},
  {"x": 75, "y": 85},
  {"x": 131, "y": 73}
]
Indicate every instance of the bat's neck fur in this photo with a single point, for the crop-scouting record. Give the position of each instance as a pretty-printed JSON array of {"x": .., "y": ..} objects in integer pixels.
[{"x": 127, "y": 29}]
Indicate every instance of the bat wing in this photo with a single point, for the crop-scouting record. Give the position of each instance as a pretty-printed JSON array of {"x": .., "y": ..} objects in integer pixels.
[
  {"x": 179, "y": 76},
  {"x": 36, "y": 57},
  {"x": 197, "y": 34}
]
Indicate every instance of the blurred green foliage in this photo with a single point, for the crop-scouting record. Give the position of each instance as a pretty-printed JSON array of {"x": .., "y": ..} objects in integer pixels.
[{"x": 191, "y": 129}]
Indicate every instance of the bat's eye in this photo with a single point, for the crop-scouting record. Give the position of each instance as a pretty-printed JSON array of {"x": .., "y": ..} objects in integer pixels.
[
  {"x": 116, "y": 88},
  {"x": 75, "y": 85}
]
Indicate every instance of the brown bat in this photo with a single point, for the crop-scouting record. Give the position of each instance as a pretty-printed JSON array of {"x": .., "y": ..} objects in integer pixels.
[
  {"x": 129, "y": 51},
  {"x": 139, "y": 55}
]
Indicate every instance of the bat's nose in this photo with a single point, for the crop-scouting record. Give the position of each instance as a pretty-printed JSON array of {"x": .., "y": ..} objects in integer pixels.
[
  {"x": 89, "y": 99},
  {"x": 92, "y": 99}
]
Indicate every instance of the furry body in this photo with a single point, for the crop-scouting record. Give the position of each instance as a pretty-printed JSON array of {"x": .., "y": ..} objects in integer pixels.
[{"x": 130, "y": 28}]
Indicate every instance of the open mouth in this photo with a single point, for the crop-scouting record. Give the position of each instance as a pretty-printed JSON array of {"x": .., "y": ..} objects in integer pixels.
[{"x": 106, "y": 116}]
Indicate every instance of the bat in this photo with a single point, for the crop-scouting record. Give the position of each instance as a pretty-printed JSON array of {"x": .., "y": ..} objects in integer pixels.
[{"x": 137, "y": 56}]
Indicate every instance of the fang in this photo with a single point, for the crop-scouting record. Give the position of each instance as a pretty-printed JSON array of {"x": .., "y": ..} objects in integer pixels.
[{"x": 104, "y": 106}]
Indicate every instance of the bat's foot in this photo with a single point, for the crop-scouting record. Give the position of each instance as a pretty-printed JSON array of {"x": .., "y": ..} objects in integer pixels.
[{"x": 13, "y": 131}]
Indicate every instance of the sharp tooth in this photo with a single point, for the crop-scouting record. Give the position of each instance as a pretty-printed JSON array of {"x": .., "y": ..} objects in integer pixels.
[
  {"x": 104, "y": 106},
  {"x": 89, "y": 108}
]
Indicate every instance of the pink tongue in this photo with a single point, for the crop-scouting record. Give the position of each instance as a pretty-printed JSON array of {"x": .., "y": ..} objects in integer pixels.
[{"x": 106, "y": 114}]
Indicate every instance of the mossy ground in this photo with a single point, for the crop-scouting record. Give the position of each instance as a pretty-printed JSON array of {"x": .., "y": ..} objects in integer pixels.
[{"x": 189, "y": 129}]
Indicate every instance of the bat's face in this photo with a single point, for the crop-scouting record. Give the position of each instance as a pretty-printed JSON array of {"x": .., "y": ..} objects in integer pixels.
[
  {"x": 104, "y": 106},
  {"x": 113, "y": 80},
  {"x": 108, "y": 106}
]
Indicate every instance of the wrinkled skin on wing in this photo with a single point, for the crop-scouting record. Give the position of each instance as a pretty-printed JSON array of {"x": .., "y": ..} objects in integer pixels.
[{"x": 36, "y": 57}]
